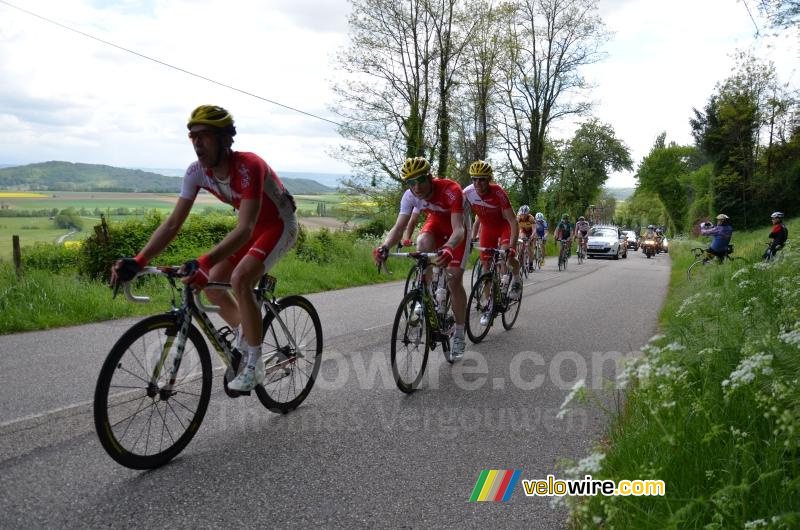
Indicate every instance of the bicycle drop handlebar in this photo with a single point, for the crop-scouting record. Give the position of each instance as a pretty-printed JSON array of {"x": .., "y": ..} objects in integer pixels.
[{"x": 172, "y": 272}]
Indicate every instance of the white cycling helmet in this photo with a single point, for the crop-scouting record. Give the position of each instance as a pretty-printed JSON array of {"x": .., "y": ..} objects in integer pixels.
[
  {"x": 779, "y": 215},
  {"x": 524, "y": 209},
  {"x": 539, "y": 216}
]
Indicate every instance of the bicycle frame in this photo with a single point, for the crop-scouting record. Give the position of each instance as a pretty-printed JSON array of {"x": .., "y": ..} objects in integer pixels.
[
  {"x": 435, "y": 314},
  {"x": 192, "y": 307},
  {"x": 499, "y": 294}
]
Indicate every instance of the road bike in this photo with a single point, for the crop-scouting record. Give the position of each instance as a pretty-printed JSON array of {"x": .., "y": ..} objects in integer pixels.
[
  {"x": 703, "y": 257},
  {"x": 477, "y": 266},
  {"x": 563, "y": 254},
  {"x": 770, "y": 252},
  {"x": 524, "y": 256},
  {"x": 424, "y": 320},
  {"x": 154, "y": 387},
  {"x": 581, "y": 252},
  {"x": 538, "y": 253},
  {"x": 489, "y": 297}
]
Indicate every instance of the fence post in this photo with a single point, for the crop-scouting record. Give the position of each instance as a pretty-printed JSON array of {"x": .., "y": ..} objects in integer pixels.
[{"x": 17, "y": 255}]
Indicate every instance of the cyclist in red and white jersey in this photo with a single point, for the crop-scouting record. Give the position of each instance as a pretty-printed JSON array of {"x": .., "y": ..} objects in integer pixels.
[
  {"x": 495, "y": 217},
  {"x": 266, "y": 229},
  {"x": 445, "y": 231}
]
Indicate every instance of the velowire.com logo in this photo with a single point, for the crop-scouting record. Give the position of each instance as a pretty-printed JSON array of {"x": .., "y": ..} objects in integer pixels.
[{"x": 495, "y": 485}]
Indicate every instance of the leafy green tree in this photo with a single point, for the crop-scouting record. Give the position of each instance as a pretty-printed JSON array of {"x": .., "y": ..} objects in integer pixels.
[
  {"x": 664, "y": 172},
  {"x": 781, "y": 13},
  {"x": 590, "y": 155},
  {"x": 547, "y": 43}
]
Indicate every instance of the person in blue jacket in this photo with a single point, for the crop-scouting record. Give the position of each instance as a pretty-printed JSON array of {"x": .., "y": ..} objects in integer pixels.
[{"x": 720, "y": 236}]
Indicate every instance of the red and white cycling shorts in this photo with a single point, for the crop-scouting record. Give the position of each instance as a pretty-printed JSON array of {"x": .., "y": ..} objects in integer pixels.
[
  {"x": 493, "y": 237},
  {"x": 269, "y": 242},
  {"x": 440, "y": 228}
]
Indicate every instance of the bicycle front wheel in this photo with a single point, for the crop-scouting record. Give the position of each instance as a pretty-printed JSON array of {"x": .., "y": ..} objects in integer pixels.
[
  {"x": 292, "y": 351},
  {"x": 411, "y": 279},
  {"x": 480, "y": 308},
  {"x": 140, "y": 423},
  {"x": 691, "y": 272},
  {"x": 477, "y": 271},
  {"x": 512, "y": 310},
  {"x": 411, "y": 338}
]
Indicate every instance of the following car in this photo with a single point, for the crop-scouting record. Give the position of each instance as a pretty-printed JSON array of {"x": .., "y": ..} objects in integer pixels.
[{"x": 603, "y": 241}]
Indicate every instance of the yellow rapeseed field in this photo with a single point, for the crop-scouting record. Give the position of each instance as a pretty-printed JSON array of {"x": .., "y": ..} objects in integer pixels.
[{"x": 20, "y": 195}]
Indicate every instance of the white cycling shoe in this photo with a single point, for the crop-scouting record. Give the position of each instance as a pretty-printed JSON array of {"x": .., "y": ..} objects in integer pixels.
[
  {"x": 249, "y": 378},
  {"x": 458, "y": 347}
]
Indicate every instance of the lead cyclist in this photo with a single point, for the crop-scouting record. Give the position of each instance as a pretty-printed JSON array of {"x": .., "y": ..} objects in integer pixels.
[{"x": 266, "y": 228}]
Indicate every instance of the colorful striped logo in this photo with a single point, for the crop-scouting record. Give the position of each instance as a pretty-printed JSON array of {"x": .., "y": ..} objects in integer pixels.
[{"x": 495, "y": 485}]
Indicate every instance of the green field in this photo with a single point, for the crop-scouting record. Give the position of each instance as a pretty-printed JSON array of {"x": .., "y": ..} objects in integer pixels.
[
  {"x": 32, "y": 230},
  {"x": 41, "y": 229}
]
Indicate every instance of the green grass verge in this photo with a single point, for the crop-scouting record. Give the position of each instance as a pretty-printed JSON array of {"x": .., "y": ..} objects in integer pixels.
[{"x": 713, "y": 408}]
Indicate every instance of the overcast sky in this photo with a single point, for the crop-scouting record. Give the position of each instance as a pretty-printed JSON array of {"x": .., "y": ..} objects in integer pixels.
[{"x": 67, "y": 97}]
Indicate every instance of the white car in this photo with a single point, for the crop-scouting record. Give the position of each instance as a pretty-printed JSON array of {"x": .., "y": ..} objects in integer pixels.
[{"x": 603, "y": 242}]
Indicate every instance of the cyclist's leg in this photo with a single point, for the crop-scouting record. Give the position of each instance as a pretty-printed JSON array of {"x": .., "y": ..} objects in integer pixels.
[
  {"x": 426, "y": 242},
  {"x": 228, "y": 307}
]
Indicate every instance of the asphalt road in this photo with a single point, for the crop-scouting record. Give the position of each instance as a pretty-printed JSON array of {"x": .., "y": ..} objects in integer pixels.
[{"x": 358, "y": 452}]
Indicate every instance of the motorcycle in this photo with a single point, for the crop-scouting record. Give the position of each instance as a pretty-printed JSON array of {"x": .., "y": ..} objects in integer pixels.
[{"x": 649, "y": 248}]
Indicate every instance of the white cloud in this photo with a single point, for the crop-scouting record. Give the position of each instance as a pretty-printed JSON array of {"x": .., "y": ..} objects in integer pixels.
[{"x": 68, "y": 97}]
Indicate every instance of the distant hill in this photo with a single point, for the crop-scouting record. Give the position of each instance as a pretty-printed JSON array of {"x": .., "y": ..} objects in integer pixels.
[
  {"x": 68, "y": 176},
  {"x": 620, "y": 193}
]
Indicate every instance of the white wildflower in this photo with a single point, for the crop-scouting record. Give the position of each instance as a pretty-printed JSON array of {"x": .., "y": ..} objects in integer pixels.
[
  {"x": 738, "y": 273},
  {"x": 576, "y": 389},
  {"x": 791, "y": 337},
  {"x": 675, "y": 346},
  {"x": 656, "y": 337},
  {"x": 762, "y": 265},
  {"x": 757, "y": 523},
  {"x": 587, "y": 466},
  {"x": 747, "y": 370},
  {"x": 744, "y": 284},
  {"x": 668, "y": 405}
]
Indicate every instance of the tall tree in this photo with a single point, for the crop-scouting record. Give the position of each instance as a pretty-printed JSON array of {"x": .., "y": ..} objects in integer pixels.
[
  {"x": 548, "y": 42},
  {"x": 385, "y": 98},
  {"x": 477, "y": 94},
  {"x": 590, "y": 155},
  {"x": 781, "y": 13},
  {"x": 453, "y": 29},
  {"x": 664, "y": 172}
]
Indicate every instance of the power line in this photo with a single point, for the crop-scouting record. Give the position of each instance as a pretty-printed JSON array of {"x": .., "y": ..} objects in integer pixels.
[
  {"x": 162, "y": 63},
  {"x": 758, "y": 31}
]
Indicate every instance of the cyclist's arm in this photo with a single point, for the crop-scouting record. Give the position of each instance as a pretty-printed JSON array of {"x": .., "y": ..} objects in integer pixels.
[
  {"x": 476, "y": 226},
  {"x": 457, "y": 222},
  {"x": 411, "y": 225},
  {"x": 241, "y": 233},
  {"x": 397, "y": 230},
  {"x": 166, "y": 232},
  {"x": 508, "y": 215}
]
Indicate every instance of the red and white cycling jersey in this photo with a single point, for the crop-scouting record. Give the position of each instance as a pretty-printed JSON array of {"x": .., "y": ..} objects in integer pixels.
[
  {"x": 250, "y": 178},
  {"x": 495, "y": 230},
  {"x": 445, "y": 199},
  {"x": 489, "y": 208}
]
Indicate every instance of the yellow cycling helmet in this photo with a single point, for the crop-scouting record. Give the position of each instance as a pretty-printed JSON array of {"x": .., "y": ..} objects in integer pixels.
[
  {"x": 213, "y": 116},
  {"x": 414, "y": 167},
  {"x": 479, "y": 168}
]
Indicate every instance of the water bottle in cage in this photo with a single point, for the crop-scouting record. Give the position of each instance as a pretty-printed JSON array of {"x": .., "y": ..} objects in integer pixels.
[{"x": 441, "y": 296}]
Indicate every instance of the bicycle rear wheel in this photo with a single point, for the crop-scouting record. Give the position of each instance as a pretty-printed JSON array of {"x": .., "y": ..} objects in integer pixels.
[
  {"x": 411, "y": 338},
  {"x": 140, "y": 425},
  {"x": 291, "y": 369},
  {"x": 480, "y": 306}
]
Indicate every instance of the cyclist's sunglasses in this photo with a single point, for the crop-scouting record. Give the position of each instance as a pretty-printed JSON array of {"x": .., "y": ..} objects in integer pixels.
[
  {"x": 193, "y": 135},
  {"x": 480, "y": 179},
  {"x": 417, "y": 180}
]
